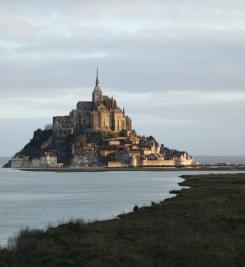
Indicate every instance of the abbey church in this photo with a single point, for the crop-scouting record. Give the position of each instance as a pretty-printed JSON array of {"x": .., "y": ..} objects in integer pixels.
[
  {"x": 96, "y": 134},
  {"x": 100, "y": 114}
]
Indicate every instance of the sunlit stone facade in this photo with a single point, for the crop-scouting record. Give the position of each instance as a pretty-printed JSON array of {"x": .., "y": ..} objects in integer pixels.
[{"x": 100, "y": 114}]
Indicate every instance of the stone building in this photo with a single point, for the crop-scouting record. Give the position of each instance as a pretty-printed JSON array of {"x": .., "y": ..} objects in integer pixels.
[
  {"x": 85, "y": 156},
  {"x": 100, "y": 114},
  {"x": 48, "y": 159},
  {"x": 20, "y": 162}
]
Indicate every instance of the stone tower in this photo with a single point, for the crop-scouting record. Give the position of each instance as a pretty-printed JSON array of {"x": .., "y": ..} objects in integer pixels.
[{"x": 97, "y": 93}]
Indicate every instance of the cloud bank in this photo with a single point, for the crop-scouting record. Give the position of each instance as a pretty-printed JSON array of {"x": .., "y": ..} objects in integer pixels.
[{"x": 176, "y": 66}]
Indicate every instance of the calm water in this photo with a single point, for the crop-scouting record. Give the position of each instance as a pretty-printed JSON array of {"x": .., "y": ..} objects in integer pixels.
[
  {"x": 36, "y": 199},
  {"x": 220, "y": 159}
]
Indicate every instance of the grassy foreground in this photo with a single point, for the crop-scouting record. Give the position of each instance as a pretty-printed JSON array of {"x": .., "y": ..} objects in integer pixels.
[{"x": 202, "y": 226}]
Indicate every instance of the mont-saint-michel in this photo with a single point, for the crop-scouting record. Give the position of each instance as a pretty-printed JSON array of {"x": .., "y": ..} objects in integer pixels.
[{"x": 98, "y": 133}]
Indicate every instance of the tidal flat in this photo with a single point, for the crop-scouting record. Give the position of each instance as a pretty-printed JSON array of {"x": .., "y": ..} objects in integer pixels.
[{"x": 204, "y": 225}]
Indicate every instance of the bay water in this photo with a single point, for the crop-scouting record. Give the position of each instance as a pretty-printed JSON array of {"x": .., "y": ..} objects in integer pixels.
[{"x": 36, "y": 199}]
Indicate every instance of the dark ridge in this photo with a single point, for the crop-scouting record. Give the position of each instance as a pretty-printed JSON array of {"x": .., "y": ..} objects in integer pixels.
[{"x": 34, "y": 147}]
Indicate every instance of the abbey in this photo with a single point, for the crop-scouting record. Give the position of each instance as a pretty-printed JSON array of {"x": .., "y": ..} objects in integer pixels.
[
  {"x": 96, "y": 134},
  {"x": 100, "y": 114}
]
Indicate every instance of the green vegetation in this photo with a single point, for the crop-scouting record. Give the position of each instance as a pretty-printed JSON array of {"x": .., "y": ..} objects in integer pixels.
[
  {"x": 202, "y": 226},
  {"x": 33, "y": 148}
]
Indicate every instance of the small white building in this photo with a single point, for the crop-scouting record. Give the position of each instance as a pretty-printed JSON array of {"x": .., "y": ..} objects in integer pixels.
[{"x": 49, "y": 159}]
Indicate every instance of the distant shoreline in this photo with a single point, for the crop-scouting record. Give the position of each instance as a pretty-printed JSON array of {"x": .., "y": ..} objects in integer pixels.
[{"x": 105, "y": 169}]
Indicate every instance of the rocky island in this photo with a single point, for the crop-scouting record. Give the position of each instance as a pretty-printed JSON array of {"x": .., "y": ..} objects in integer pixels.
[{"x": 98, "y": 133}]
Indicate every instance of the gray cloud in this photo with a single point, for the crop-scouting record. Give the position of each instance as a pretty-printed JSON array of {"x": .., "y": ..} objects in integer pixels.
[
  {"x": 155, "y": 60},
  {"x": 181, "y": 62}
]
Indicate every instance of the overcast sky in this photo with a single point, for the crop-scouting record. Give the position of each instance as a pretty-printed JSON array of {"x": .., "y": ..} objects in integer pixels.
[{"x": 177, "y": 66}]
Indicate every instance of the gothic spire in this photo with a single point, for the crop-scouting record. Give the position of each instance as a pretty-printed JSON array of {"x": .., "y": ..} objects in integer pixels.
[
  {"x": 97, "y": 93},
  {"x": 97, "y": 77}
]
